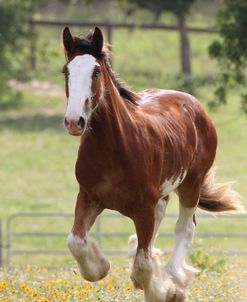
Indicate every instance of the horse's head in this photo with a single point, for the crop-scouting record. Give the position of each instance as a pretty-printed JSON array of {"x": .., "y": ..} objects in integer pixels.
[{"x": 82, "y": 78}]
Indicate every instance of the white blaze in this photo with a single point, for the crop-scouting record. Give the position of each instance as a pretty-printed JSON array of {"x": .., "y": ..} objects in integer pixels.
[{"x": 80, "y": 86}]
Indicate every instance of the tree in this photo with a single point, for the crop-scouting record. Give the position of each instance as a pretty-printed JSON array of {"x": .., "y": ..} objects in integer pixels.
[
  {"x": 14, "y": 36},
  {"x": 230, "y": 50},
  {"x": 180, "y": 8}
]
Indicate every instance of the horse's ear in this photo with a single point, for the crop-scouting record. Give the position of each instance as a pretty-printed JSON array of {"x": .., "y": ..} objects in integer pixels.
[
  {"x": 68, "y": 40},
  {"x": 97, "y": 39}
]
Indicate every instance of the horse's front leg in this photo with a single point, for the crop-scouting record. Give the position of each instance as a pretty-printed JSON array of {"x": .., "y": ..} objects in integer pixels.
[
  {"x": 92, "y": 262},
  {"x": 147, "y": 271},
  {"x": 159, "y": 213}
]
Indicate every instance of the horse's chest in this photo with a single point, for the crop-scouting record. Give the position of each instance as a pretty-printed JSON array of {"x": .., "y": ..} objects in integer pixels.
[
  {"x": 103, "y": 184},
  {"x": 112, "y": 194}
]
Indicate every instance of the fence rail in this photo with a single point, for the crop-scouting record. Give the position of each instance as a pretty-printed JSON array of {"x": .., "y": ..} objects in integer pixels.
[
  {"x": 98, "y": 234},
  {"x": 109, "y": 27},
  {"x": 129, "y": 25}
]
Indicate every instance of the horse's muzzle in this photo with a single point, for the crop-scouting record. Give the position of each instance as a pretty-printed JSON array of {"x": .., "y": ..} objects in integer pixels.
[{"x": 74, "y": 126}]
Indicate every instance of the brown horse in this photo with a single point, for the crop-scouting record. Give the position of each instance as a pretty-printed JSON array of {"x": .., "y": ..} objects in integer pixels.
[{"x": 135, "y": 149}]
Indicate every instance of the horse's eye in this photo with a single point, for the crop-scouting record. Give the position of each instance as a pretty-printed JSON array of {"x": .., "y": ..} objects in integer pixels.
[{"x": 96, "y": 73}]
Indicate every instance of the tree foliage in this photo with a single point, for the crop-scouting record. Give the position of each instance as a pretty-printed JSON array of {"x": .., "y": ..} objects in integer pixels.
[
  {"x": 14, "y": 37},
  {"x": 180, "y": 9},
  {"x": 230, "y": 50},
  {"x": 177, "y": 7}
]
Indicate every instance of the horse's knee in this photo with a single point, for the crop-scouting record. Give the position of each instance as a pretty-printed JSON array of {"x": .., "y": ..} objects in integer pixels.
[
  {"x": 92, "y": 263},
  {"x": 76, "y": 245}
]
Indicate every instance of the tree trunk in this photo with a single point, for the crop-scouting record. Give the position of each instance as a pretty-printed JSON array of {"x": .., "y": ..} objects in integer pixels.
[{"x": 184, "y": 46}]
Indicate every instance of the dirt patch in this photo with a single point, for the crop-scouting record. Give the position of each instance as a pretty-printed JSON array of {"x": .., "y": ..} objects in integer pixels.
[{"x": 38, "y": 87}]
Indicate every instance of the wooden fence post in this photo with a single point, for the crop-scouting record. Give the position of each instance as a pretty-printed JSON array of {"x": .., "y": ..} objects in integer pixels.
[
  {"x": 33, "y": 62},
  {"x": 184, "y": 47},
  {"x": 109, "y": 34},
  {"x": 109, "y": 29}
]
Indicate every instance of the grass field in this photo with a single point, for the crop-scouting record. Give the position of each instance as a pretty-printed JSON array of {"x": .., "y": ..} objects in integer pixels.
[
  {"x": 37, "y": 174},
  {"x": 32, "y": 283}
]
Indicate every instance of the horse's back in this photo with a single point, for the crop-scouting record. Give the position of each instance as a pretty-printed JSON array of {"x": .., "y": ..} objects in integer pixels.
[
  {"x": 183, "y": 113},
  {"x": 176, "y": 105},
  {"x": 167, "y": 99}
]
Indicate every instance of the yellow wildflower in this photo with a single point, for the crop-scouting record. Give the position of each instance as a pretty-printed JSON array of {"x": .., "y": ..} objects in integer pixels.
[
  {"x": 3, "y": 284},
  {"x": 22, "y": 286},
  {"x": 28, "y": 268},
  {"x": 110, "y": 287},
  {"x": 87, "y": 286}
]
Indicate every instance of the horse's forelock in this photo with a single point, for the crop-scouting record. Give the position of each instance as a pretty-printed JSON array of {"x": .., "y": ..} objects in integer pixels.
[{"x": 84, "y": 46}]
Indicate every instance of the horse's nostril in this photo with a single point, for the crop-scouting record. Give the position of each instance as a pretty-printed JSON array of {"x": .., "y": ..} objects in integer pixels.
[{"x": 81, "y": 122}]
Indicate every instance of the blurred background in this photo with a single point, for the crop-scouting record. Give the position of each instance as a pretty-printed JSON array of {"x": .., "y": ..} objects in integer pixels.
[{"x": 195, "y": 46}]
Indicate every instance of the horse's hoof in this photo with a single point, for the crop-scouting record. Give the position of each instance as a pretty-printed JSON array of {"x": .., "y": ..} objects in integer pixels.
[{"x": 96, "y": 273}]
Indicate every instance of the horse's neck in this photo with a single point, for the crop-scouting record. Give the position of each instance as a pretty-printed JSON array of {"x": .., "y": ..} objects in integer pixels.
[
  {"x": 117, "y": 112},
  {"x": 113, "y": 120}
]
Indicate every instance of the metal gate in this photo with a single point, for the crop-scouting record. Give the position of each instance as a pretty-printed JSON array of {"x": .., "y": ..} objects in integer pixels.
[
  {"x": 12, "y": 233},
  {"x": 1, "y": 244}
]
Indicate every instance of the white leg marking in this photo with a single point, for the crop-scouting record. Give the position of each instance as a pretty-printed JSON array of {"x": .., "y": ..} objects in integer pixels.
[
  {"x": 143, "y": 268},
  {"x": 158, "y": 286},
  {"x": 184, "y": 233},
  {"x": 92, "y": 263},
  {"x": 159, "y": 213}
]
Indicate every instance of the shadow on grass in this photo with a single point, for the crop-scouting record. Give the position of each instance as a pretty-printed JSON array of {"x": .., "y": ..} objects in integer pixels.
[{"x": 32, "y": 123}]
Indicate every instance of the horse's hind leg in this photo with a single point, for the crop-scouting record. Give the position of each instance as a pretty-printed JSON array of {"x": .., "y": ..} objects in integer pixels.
[
  {"x": 184, "y": 232},
  {"x": 159, "y": 213},
  {"x": 92, "y": 263}
]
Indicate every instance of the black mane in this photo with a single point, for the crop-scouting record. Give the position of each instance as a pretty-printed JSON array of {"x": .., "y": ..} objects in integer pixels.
[
  {"x": 84, "y": 46},
  {"x": 125, "y": 93}
]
